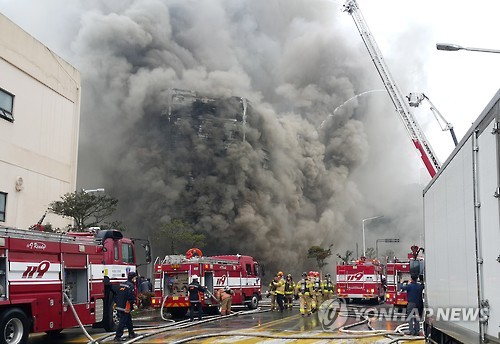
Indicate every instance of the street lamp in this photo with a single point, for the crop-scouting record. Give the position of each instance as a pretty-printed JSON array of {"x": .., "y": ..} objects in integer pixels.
[
  {"x": 455, "y": 47},
  {"x": 367, "y": 219},
  {"x": 93, "y": 190},
  {"x": 383, "y": 240}
]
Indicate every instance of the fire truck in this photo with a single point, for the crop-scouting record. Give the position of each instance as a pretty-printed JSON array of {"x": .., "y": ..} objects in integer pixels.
[
  {"x": 399, "y": 272},
  {"x": 47, "y": 278},
  {"x": 119, "y": 257},
  {"x": 173, "y": 274},
  {"x": 362, "y": 279}
]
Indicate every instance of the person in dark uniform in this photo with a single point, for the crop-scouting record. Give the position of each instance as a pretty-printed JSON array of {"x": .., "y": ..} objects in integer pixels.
[
  {"x": 415, "y": 306},
  {"x": 125, "y": 302},
  {"x": 194, "y": 298}
]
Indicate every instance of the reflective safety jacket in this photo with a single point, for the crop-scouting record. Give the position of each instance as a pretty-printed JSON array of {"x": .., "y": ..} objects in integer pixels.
[
  {"x": 328, "y": 286},
  {"x": 303, "y": 287},
  {"x": 272, "y": 288},
  {"x": 317, "y": 285},
  {"x": 280, "y": 286},
  {"x": 289, "y": 287}
]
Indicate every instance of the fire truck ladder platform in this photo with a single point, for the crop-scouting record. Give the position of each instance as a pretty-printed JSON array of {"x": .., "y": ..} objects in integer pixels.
[
  {"x": 180, "y": 259},
  {"x": 53, "y": 237}
]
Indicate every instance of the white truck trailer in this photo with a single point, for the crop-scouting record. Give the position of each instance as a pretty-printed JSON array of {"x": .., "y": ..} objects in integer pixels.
[{"x": 462, "y": 238}]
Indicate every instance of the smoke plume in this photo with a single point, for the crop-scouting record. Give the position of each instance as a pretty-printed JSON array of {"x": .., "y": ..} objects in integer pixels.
[{"x": 297, "y": 171}]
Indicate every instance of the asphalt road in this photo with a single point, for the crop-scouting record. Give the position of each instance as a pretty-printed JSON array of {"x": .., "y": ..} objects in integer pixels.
[{"x": 256, "y": 327}]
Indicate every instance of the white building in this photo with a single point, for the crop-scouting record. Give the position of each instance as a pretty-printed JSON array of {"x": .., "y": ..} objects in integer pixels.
[{"x": 39, "y": 123}]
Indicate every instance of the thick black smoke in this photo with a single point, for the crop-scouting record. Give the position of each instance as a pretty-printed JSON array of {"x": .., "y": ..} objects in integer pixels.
[{"x": 270, "y": 184}]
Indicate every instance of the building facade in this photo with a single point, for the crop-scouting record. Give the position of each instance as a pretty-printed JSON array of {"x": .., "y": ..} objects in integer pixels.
[{"x": 39, "y": 124}]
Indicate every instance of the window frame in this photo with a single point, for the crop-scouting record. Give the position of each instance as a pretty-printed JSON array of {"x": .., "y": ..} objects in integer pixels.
[
  {"x": 6, "y": 114},
  {"x": 128, "y": 254},
  {"x": 3, "y": 212}
]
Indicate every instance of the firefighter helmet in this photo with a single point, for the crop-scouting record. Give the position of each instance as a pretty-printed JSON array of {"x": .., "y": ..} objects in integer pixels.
[
  {"x": 194, "y": 277},
  {"x": 131, "y": 275}
]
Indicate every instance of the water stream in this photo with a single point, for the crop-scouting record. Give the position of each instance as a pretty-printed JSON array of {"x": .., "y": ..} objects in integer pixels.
[{"x": 347, "y": 101}]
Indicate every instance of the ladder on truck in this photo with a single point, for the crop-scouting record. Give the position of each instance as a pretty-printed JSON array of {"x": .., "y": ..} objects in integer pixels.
[
  {"x": 17, "y": 233},
  {"x": 179, "y": 259},
  {"x": 416, "y": 134}
]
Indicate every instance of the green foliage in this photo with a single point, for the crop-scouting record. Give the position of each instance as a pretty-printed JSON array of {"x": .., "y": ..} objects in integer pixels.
[
  {"x": 346, "y": 257},
  {"x": 320, "y": 254},
  {"x": 180, "y": 236},
  {"x": 48, "y": 228},
  {"x": 86, "y": 209},
  {"x": 370, "y": 253}
]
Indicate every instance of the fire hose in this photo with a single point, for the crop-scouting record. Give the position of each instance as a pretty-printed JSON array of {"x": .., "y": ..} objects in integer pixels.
[
  {"x": 92, "y": 340},
  {"x": 180, "y": 325}
]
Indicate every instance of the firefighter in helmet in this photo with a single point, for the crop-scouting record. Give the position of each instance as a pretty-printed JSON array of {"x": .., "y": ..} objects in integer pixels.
[
  {"x": 279, "y": 284},
  {"x": 316, "y": 294},
  {"x": 328, "y": 287},
  {"x": 303, "y": 290},
  {"x": 272, "y": 293},
  {"x": 289, "y": 291}
]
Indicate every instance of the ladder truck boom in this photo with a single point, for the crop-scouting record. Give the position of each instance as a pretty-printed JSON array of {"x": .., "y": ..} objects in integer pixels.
[
  {"x": 415, "y": 99},
  {"x": 416, "y": 134}
]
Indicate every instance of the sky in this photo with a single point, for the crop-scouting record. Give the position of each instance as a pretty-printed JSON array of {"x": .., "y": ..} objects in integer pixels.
[
  {"x": 336, "y": 151},
  {"x": 459, "y": 84}
]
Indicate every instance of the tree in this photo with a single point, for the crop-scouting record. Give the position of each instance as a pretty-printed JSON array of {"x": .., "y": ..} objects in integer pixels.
[
  {"x": 370, "y": 253},
  {"x": 181, "y": 237},
  {"x": 86, "y": 209},
  {"x": 319, "y": 254},
  {"x": 345, "y": 258}
]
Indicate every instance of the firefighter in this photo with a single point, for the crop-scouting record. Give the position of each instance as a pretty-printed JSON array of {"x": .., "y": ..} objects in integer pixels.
[
  {"x": 194, "y": 290},
  {"x": 328, "y": 287},
  {"x": 279, "y": 284},
  {"x": 289, "y": 291},
  {"x": 225, "y": 297},
  {"x": 316, "y": 293},
  {"x": 272, "y": 293},
  {"x": 125, "y": 303},
  {"x": 303, "y": 291}
]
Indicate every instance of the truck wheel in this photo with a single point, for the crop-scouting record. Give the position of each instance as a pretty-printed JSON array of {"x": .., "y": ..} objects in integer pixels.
[
  {"x": 178, "y": 312},
  {"x": 253, "y": 302},
  {"x": 15, "y": 327},
  {"x": 110, "y": 317},
  {"x": 53, "y": 333}
]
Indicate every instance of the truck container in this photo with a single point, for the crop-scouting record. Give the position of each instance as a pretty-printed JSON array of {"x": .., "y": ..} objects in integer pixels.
[{"x": 462, "y": 238}]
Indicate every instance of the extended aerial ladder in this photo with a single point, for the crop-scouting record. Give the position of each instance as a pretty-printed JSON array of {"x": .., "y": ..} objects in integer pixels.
[
  {"x": 415, "y": 99},
  {"x": 416, "y": 134}
]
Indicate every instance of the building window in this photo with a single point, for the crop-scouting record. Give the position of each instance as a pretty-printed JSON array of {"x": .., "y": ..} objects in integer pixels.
[
  {"x": 3, "y": 205},
  {"x": 6, "y": 105}
]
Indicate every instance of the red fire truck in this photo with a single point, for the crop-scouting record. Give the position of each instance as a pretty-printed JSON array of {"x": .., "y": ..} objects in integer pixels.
[
  {"x": 399, "y": 272},
  {"x": 44, "y": 277},
  {"x": 362, "y": 279},
  {"x": 173, "y": 274}
]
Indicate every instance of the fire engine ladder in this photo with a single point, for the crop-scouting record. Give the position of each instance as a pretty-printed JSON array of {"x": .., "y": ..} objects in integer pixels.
[
  {"x": 37, "y": 235},
  {"x": 428, "y": 156},
  {"x": 179, "y": 259}
]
